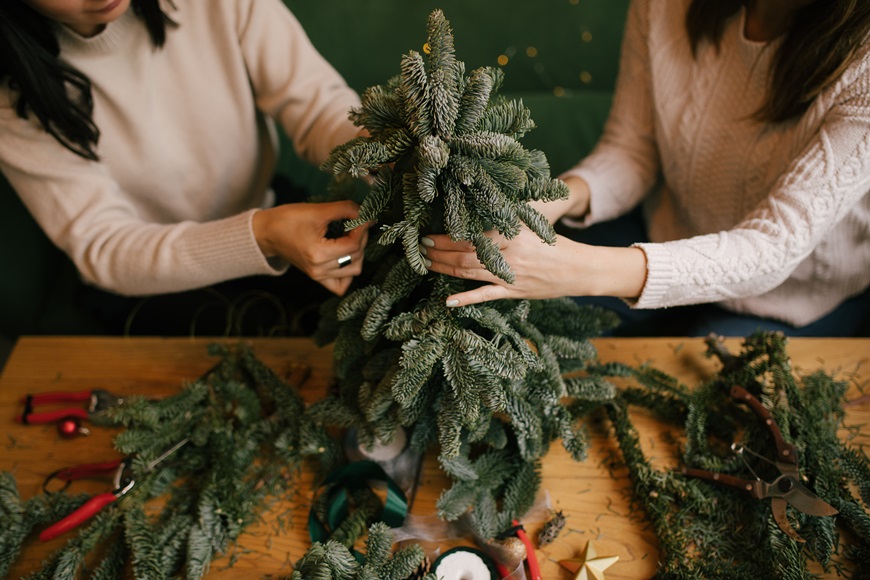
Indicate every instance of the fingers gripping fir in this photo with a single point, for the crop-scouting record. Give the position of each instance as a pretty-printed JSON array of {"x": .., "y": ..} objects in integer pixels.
[{"x": 448, "y": 160}]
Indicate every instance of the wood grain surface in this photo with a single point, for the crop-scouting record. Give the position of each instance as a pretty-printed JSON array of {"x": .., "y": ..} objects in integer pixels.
[{"x": 594, "y": 494}]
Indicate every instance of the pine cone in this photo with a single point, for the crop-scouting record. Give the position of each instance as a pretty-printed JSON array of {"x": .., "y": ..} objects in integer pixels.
[{"x": 551, "y": 529}]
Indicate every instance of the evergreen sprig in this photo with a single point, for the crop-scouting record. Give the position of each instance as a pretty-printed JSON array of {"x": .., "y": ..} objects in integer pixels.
[{"x": 333, "y": 560}]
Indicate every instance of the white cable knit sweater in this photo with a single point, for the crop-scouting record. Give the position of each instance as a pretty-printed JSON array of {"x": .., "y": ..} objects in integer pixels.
[
  {"x": 772, "y": 220},
  {"x": 187, "y": 147}
]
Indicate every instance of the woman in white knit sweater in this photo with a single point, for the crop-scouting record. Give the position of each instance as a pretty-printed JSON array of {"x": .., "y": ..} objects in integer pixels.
[
  {"x": 141, "y": 136},
  {"x": 744, "y": 131}
]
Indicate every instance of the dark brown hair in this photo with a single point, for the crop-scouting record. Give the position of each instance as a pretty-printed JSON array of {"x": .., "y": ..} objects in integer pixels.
[
  {"x": 821, "y": 42},
  {"x": 59, "y": 95}
]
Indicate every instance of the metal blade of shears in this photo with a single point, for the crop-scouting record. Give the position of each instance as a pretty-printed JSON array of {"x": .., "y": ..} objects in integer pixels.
[
  {"x": 166, "y": 454},
  {"x": 808, "y": 502},
  {"x": 777, "y": 506}
]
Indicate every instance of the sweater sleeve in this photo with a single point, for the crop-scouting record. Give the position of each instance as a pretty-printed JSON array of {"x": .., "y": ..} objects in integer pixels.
[
  {"x": 83, "y": 210},
  {"x": 828, "y": 180},
  {"x": 292, "y": 82},
  {"x": 624, "y": 164}
]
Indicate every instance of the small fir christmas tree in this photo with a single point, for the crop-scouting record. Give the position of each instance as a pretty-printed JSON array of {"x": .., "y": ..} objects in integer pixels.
[{"x": 485, "y": 382}]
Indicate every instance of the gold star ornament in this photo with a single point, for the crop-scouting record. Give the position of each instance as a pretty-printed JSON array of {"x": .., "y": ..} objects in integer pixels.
[{"x": 589, "y": 566}]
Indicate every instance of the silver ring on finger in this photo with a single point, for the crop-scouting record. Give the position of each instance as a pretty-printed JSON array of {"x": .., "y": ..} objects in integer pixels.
[{"x": 344, "y": 261}]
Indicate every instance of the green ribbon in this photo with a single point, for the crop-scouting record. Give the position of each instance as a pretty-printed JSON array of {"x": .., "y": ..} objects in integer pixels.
[{"x": 348, "y": 478}]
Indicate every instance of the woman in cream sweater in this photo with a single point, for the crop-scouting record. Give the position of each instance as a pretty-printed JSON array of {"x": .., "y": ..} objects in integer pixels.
[
  {"x": 141, "y": 136},
  {"x": 743, "y": 131}
]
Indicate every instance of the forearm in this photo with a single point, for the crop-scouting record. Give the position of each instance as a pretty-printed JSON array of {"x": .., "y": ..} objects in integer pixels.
[
  {"x": 139, "y": 259},
  {"x": 607, "y": 271}
]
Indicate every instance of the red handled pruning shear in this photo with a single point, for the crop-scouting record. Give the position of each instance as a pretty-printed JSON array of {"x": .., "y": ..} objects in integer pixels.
[
  {"x": 785, "y": 489},
  {"x": 123, "y": 482},
  {"x": 96, "y": 401}
]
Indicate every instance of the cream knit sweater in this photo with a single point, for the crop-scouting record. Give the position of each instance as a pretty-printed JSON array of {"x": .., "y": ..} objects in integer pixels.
[
  {"x": 187, "y": 146},
  {"x": 772, "y": 220}
]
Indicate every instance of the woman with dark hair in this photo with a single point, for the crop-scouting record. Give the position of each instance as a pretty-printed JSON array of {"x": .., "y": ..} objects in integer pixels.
[
  {"x": 743, "y": 132},
  {"x": 140, "y": 134}
]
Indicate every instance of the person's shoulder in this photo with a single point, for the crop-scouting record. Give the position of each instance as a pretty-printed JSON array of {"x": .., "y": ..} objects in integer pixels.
[
  {"x": 862, "y": 54},
  {"x": 239, "y": 11},
  {"x": 858, "y": 70},
  {"x": 662, "y": 19},
  {"x": 665, "y": 8},
  {"x": 666, "y": 14}
]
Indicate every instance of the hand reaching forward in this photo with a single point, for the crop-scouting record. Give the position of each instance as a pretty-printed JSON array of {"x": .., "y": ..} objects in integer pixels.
[
  {"x": 541, "y": 271},
  {"x": 296, "y": 232}
]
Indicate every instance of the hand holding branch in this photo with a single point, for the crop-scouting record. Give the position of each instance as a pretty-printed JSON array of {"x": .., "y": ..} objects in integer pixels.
[
  {"x": 297, "y": 233},
  {"x": 541, "y": 271}
]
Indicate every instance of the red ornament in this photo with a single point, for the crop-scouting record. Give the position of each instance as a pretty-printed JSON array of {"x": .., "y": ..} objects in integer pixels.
[{"x": 70, "y": 427}]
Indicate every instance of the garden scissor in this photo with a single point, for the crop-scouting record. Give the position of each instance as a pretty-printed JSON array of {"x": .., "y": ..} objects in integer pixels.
[
  {"x": 123, "y": 482},
  {"x": 93, "y": 401},
  {"x": 787, "y": 488}
]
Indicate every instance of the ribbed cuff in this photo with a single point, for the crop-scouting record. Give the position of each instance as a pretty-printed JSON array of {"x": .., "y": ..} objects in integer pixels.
[
  {"x": 659, "y": 275},
  {"x": 226, "y": 249}
]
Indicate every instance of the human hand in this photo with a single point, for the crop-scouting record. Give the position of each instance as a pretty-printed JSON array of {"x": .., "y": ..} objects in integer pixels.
[
  {"x": 296, "y": 232},
  {"x": 541, "y": 271}
]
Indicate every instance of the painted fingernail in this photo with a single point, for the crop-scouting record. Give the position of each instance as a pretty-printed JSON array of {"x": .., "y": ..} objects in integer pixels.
[
  {"x": 427, "y": 262},
  {"x": 452, "y": 303},
  {"x": 427, "y": 242},
  {"x": 422, "y": 249}
]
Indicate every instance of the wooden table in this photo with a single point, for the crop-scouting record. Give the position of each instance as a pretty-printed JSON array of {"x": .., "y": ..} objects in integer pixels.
[{"x": 594, "y": 498}]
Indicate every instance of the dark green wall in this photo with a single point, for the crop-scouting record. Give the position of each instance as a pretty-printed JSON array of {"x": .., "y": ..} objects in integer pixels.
[{"x": 365, "y": 40}]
